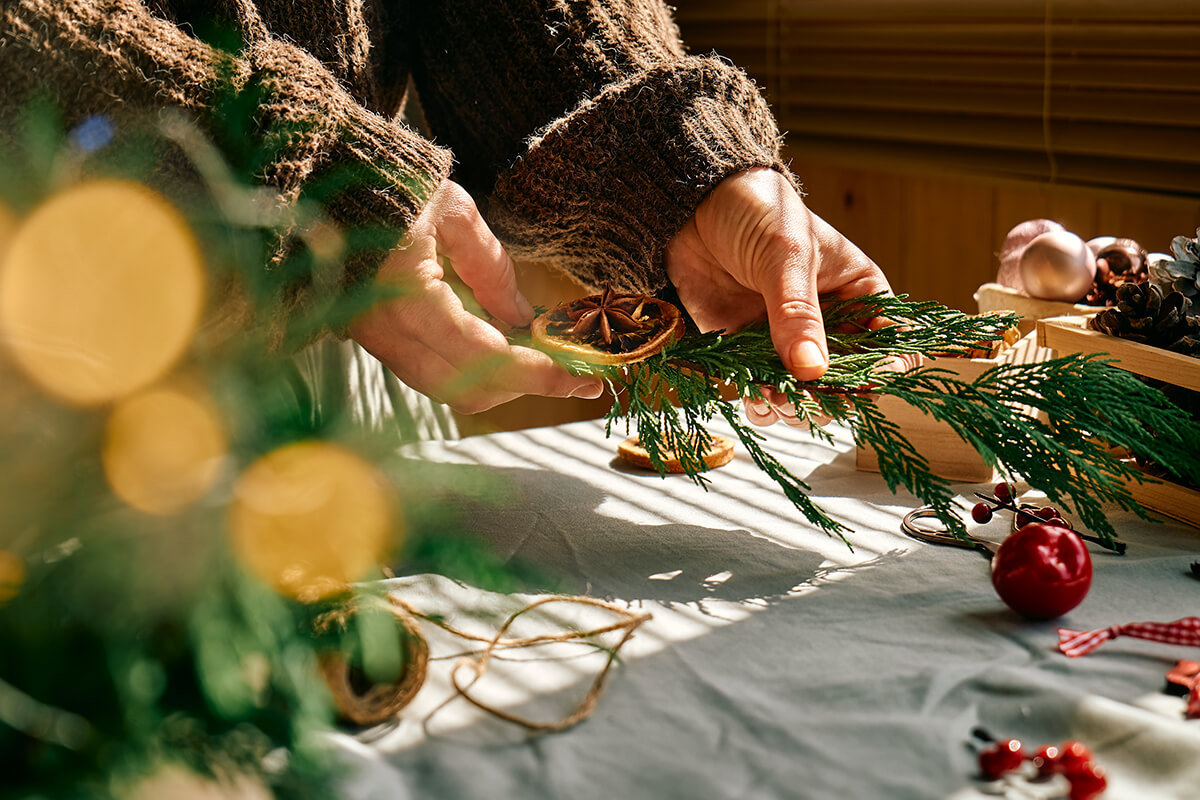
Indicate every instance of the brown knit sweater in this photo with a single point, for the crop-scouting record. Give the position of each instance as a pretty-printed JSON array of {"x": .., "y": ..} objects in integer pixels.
[{"x": 582, "y": 128}]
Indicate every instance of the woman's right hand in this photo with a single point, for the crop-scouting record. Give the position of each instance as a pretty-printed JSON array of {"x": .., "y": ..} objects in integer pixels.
[{"x": 432, "y": 342}]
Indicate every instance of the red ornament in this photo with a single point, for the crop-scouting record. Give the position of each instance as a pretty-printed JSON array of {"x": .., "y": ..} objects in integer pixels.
[
  {"x": 1073, "y": 757},
  {"x": 1087, "y": 783},
  {"x": 981, "y": 513},
  {"x": 1002, "y": 757},
  {"x": 1042, "y": 571},
  {"x": 1046, "y": 760}
]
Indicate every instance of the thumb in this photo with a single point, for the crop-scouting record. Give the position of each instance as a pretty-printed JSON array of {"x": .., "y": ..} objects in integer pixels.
[
  {"x": 794, "y": 314},
  {"x": 481, "y": 261}
]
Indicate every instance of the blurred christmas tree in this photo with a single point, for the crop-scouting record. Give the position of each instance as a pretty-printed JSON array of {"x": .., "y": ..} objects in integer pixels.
[{"x": 178, "y": 509}]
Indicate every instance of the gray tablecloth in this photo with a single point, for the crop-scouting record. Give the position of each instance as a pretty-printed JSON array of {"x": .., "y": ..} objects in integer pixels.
[{"x": 779, "y": 662}]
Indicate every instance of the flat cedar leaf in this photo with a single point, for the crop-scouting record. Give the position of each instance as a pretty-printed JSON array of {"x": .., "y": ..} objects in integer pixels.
[{"x": 669, "y": 397}]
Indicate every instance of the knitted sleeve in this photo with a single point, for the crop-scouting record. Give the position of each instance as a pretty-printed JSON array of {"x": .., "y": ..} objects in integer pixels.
[
  {"x": 589, "y": 130},
  {"x": 106, "y": 56}
]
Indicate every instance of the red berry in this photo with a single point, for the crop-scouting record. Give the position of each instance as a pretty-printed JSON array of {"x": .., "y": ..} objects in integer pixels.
[
  {"x": 981, "y": 513},
  {"x": 1048, "y": 512},
  {"x": 1042, "y": 571},
  {"x": 1046, "y": 760},
  {"x": 1004, "y": 756},
  {"x": 1073, "y": 757},
  {"x": 1025, "y": 518},
  {"x": 1087, "y": 783},
  {"x": 1003, "y": 490}
]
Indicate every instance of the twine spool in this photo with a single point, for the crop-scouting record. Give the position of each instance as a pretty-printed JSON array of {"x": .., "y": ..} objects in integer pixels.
[
  {"x": 364, "y": 703},
  {"x": 359, "y": 700}
]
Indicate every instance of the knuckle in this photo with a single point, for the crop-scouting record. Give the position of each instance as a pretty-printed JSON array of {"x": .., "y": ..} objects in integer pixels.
[
  {"x": 798, "y": 310},
  {"x": 472, "y": 404},
  {"x": 459, "y": 205}
]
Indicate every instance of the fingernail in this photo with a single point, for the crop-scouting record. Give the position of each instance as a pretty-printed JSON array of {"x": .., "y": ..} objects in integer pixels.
[
  {"x": 589, "y": 391},
  {"x": 523, "y": 307},
  {"x": 807, "y": 355}
]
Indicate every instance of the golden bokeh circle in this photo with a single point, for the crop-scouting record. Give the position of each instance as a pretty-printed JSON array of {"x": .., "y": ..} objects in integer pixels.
[
  {"x": 163, "y": 449},
  {"x": 310, "y": 518},
  {"x": 100, "y": 291},
  {"x": 8, "y": 226},
  {"x": 12, "y": 575}
]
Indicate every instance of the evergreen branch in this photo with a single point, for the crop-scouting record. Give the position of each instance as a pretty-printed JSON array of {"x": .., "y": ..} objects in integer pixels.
[{"x": 1083, "y": 408}]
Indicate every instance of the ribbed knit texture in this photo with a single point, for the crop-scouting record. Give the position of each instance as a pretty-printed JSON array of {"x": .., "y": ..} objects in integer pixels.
[
  {"x": 590, "y": 131},
  {"x": 586, "y": 133},
  {"x": 621, "y": 174}
]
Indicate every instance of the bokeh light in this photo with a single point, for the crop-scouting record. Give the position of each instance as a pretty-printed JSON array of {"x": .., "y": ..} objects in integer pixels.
[
  {"x": 8, "y": 225},
  {"x": 163, "y": 449},
  {"x": 101, "y": 291},
  {"x": 310, "y": 518},
  {"x": 12, "y": 575},
  {"x": 180, "y": 783}
]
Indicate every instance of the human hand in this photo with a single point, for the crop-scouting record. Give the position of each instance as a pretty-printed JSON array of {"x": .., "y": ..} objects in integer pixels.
[
  {"x": 753, "y": 250},
  {"x": 429, "y": 339}
]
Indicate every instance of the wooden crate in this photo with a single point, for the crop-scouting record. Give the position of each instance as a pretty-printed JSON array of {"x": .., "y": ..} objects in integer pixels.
[
  {"x": 948, "y": 455},
  {"x": 1071, "y": 335},
  {"x": 995, "y": 297}
]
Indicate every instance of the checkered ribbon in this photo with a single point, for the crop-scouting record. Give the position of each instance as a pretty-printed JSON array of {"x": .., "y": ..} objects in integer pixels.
[{"x": 1184, "y": 631}]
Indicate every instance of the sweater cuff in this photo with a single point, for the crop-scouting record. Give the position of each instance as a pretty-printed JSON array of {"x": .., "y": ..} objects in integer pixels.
[
  {"x": 601, "y": 191},
  {"x": 370, "y": 174}
]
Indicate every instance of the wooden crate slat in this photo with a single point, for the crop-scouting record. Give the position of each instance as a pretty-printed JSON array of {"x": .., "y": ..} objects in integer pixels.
[{"x": 1071, "y": 335}]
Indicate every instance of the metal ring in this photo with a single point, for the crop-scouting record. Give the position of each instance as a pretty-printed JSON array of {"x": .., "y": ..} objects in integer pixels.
[{"x": 910, "y": 528}]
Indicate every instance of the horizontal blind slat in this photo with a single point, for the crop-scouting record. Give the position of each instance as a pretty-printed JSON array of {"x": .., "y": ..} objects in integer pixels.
[
  {"x": 967, "y": 85},
  {"x": 880, "y": 10},
  {"x": 1169, "y": 109},
  {"x": 999, "y": 133},
  {"x": 1114, "y": 41}
]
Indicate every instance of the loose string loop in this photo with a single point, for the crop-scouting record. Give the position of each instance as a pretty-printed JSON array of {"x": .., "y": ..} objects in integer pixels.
[{"x": 377, "y": 703}]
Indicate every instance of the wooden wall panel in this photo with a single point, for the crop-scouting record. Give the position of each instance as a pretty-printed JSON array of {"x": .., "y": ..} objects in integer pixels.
[{"x": 864, "y": 206}]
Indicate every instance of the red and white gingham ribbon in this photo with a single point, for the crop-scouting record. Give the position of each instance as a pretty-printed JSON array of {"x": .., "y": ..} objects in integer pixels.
[{"x": 1184, "y": 631}]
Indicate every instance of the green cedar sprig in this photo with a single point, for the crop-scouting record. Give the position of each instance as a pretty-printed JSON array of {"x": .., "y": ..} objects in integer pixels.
[{"x": 1086, "y": 408}]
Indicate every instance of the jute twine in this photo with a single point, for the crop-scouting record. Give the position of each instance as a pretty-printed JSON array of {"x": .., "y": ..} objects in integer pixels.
[
  {"x": 380, "y": 702},
  {"x": 364, "y": 702}
]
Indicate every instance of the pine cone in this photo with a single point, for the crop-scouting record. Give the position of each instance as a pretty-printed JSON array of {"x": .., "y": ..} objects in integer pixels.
[
  {"x": 1183, "y": 272},
  {"x": 1120, "y": 262},
  {"x": 1143, "y": 314}
]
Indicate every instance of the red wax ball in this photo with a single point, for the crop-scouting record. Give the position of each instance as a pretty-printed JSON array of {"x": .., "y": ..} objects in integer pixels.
[
  {"x": 981, "y": 513},
  {"x": 1000, "y": 758},
  {"x": 1046, "y": 760},
  {"x": 1042, "y": 571},
  {"x": 1088, "y": 783},
  {"x": 1074, "y": 757}
]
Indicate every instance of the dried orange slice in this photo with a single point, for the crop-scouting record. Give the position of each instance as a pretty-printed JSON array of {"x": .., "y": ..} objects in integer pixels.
[
  {"x": 609, "y": 328},
  {"x": 718, "y": 453}
]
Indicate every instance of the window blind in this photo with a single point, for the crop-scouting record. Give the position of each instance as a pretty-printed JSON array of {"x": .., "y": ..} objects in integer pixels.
[{"x": 1084, "y": 92}]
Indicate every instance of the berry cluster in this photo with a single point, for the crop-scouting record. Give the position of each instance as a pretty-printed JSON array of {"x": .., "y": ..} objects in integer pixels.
[
  {"x": 1072, "y": 760},
  {"x": 1004, "y": 496}
]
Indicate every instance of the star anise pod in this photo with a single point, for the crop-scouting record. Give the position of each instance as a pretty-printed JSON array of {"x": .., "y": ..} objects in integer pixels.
[
  {"x": 609, "y": 328},
  {"x": 601, "y": 318}
]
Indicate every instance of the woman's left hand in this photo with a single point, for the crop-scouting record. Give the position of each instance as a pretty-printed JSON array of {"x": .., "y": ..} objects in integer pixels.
[{"x": 753, "y": 250}]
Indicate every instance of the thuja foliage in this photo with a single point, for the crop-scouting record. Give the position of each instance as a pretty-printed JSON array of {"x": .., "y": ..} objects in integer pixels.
[
  {"x": 131, "y": 643},
  {"x": 1067, "y": 451}
]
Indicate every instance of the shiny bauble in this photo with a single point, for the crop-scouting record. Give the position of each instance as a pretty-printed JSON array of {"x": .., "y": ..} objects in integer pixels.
[
  {"x": 1058, "y": 265},
  {"x": 1014, "y": 245},
  {"x": 1042, "y": 570},
  {"x": 1118, "y": 256}
]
